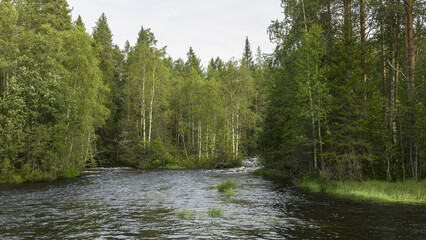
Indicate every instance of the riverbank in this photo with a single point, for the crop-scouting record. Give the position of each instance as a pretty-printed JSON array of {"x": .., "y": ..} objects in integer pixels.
[
  {"x": 271, "y": 174},
  {"x": 409, "y": 192}
]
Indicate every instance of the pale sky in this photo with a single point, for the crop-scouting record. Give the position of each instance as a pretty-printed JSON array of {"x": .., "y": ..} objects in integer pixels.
[{"x": 212, "y": 27}]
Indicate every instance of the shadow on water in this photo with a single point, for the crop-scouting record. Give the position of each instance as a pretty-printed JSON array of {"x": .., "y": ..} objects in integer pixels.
[{"x": 127, "y": 204}]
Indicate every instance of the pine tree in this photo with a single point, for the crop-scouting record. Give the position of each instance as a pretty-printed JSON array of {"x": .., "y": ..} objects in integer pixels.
[{"x": 247, "y": 55}]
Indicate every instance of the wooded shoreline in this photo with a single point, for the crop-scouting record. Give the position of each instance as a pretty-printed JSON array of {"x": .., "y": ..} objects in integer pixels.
[{"x": 342, "y": 97}]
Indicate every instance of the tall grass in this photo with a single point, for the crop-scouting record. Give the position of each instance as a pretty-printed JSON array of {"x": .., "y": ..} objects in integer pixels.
[
  {"x": 380, "y": 191},
  {"x": 227, "y": 187}
]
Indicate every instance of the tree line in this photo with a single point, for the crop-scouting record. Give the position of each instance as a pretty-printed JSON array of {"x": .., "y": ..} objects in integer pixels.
[
  {"x": 341, "y": 97},
  {"x": 348, "y": 93},
  {"x": 71, "y": 100}
]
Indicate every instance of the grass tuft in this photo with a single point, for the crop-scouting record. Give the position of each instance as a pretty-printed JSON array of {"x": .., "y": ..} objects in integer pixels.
[
  {"x": 186, "y": 214},
  {"x": 227, "y": 187},
  {"x": 216, "y": 212},
  {"x": 229, "y": 192},
  {"x": 373, "y": 190}
]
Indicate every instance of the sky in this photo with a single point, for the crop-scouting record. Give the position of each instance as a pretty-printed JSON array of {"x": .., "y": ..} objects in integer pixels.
[{"x": 214, "y": 28}]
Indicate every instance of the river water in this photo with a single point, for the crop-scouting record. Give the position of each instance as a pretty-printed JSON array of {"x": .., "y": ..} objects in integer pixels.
[{"x": 130, "y": 204}]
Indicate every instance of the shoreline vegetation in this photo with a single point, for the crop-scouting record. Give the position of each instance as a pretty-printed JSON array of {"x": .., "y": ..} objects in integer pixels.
[
  {"x": 379, "y": 191},
  {"x": 326, "y": 102},
  {"x": 407, "y": 192}
]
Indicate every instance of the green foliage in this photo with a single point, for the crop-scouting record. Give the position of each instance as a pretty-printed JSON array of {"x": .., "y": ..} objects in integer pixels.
[
  {"x": 227, "y": 187},
  {"x": 372, "y": 190},
  {"x": 69, "y": 172},
  {"x": 52, "y": 96},
  {"x": 229, "y": 192},
  {"x": 325, "y": 103},
  {"x": 152, "y": 155},
  {"x": 186, "y": 214},
  {"x": 216, "y": 212},
  {"x": 110, "y": 61},
  {"x": 339, "y": 106}
]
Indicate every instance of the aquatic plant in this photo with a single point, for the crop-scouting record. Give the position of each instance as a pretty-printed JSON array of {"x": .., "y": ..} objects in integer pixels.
[
  {"x": 229, "y": 192},
  {"x": 186, "y": 214},
  {"x": 216, "y": 212},
  {"x": 227, "y": 187}
]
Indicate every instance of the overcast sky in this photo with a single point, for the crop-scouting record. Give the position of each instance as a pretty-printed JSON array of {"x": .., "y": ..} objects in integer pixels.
[{"x": 212, "y": 28}]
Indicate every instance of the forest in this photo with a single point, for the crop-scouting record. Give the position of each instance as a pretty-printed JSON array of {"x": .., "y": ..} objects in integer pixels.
[{"x": 342, "y": 97}]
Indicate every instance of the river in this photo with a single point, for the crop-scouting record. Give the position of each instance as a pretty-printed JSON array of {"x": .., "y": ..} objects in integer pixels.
[{"x": 131, "y": 204}]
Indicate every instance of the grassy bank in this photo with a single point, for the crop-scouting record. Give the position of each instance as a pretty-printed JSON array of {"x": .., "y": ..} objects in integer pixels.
[{"x": 372, "y": 190}]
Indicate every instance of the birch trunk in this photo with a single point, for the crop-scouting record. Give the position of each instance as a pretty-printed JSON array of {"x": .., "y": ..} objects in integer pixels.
[
  {"x": 151, "y": 105},
  {"x": 183, "y": 137},
  {"x": 207, "y": 143},
  {"x": 214, "y": 137},
  {"x": 233, "y": 133},
  {"x": 320, "y": 144},
  {"x": 313, "y": 127},
  {"x": 87, "y": 150},
  {"x": 304, "y": 16},
  {"x": 199, "y": 139},
  {"x": 237, "y": 135},
  {"x": 143, "y": 114},
  {"x": 192, "y": 127}
]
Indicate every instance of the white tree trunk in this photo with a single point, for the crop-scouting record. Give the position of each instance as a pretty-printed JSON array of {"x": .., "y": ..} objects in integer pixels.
[
  {"x": 313, "y": 127},
  {"x": 183, "y": 137},
  {"x": 143, "y": 122},
  {"x": 151, "y": 105},
  {"x": 237, "y": 136},
  {"x": 214, "y": 137},
  {"x": 199, "y": 139},
  {"x": 233, "y": 133},
  {"x": 87, "y": 149},
  {"x": 207, "y": 143}
]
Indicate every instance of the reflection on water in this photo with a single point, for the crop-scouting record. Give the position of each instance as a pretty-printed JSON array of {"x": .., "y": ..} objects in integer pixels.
[{"x": 127, "y": 204}]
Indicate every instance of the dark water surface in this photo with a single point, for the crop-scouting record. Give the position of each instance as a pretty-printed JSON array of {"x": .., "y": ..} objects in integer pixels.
[{"x": 126, "y": 204}]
